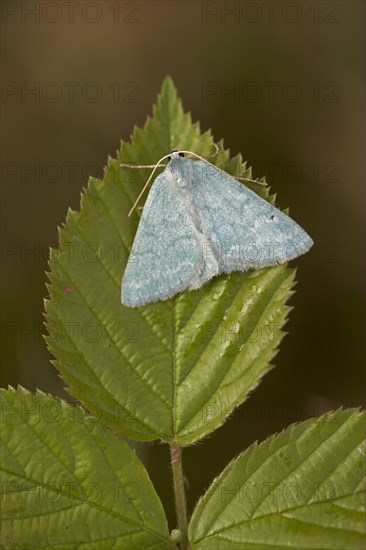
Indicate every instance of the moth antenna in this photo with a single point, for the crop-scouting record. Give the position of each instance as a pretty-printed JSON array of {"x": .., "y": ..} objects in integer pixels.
[
  {"x": 216, "y": 150},
  {"x": 155, "y": 166},
  {"x": 146, "y": 184},
  {"x": 251, "y": 181},
  {"x": 223, "y": 171},
  {"x": 139, "y": 165}
]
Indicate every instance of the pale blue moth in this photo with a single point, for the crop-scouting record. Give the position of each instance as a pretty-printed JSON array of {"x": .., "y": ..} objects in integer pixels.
[{"x": 198, "y": 222}]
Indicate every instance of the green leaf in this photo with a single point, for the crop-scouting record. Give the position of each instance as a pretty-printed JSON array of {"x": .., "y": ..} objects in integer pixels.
[
  {"x": 301, "y": 489},
  {"x": 69, "y": 483},
  {"x": 171, "y": 370}
]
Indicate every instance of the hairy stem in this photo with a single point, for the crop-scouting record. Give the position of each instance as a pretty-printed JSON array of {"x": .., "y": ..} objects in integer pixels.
[{"x": 179, "y": 493}]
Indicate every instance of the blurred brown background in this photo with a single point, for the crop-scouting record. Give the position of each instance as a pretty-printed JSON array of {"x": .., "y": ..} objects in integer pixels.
[{"x": 281, "y": 82}]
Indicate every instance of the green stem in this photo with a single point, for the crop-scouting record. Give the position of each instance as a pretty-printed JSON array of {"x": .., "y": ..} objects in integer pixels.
[{"x": 179, "y": 493}]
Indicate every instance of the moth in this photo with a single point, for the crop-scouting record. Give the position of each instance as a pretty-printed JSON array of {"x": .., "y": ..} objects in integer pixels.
[{"x": 199, "y": 222}]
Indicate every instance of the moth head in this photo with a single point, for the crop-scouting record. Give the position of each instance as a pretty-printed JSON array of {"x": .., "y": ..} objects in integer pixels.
[{"x": 175, "y": 154}]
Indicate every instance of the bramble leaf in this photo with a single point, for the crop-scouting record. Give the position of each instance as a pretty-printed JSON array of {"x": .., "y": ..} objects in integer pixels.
[
  {"x": 172, "y": 370},
  {"x": 68, "y": 482},
  {"x": 302, "y": 489}
]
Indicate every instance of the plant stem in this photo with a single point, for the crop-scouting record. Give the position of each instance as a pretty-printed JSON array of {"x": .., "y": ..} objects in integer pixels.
[{"x": 179, "y": 493}]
